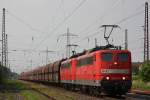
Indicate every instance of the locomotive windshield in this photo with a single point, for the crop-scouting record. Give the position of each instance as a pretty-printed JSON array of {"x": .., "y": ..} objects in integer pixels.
[
  {"x": 107, "y": 57},
  {"x": 123, "y": 57}
]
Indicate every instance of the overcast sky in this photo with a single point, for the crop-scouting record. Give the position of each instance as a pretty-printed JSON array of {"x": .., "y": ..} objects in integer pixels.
[{"x": 34, "y": 25}]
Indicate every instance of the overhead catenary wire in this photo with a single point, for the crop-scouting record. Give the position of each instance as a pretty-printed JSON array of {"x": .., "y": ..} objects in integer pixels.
[
  {"x": 57, "y": 27},
  {"x": 91, "y": 35},
  {"x": 25, "y": 23},
  {"x": 96, "y": 21},
  {"x": 60, "y": 24},
  {"x": 129, "y": 17},
  {"x": 119, "y": 22},
  {"x": 36, "y": 29},
  {"x": 99, "y": 18},
  {"x": 63, "y": 9}
]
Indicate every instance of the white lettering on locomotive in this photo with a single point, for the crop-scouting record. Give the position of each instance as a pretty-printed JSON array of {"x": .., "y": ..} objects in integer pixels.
[{"x": 114, "y": 71}]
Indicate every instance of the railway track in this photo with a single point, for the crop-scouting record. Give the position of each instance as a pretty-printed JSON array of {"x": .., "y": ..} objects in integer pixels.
[
  {"x": 128, "y": 96},
  {"x": 81, "y": 96},
  {"x": 77, "y": 95},
  {"x": 44, "y": 94},
  {"x": 138, "y": 96},
  {"x": 58, "y": 93}
]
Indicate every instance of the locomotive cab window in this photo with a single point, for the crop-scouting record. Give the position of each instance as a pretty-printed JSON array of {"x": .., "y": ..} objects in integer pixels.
[
  {"x": 123, "y": 57},
  {"x": 85, "y": 61},
  {"x": 89, "y": 61},
  {"x": 108, "y": 57}
]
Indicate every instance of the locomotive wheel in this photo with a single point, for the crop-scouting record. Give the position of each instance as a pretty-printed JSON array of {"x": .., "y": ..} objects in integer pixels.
[
  {"x": 83, "y": 89},
  {"x": 94, "y": 91},
  {"x": 72, "y": 87},
  {"x": 97, "y": 91},
  {"x": 91, "y": 91},
  {"x": 66, "y": 86}
]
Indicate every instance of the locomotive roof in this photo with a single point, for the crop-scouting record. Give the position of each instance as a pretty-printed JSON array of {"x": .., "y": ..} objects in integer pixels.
[{"x": 99, "y": 48}]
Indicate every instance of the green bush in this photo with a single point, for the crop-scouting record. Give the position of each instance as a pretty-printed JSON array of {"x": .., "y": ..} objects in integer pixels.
[
  {"x": 4, "y": 73},
  {"x": 145, "y": 72},
  {"x": 135, "y": 70}
]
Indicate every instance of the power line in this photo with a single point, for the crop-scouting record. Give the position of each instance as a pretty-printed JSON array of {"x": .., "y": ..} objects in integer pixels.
[
  {"x": 129, "y": 17},
  {"x": 106, "y": 12},
  {"x": 24, "y": 22},
  {"x": 100, "y": 18},
  {"x": 95, "y": 21},
  {"x": 63, "y": 9},
  {"x": 61, "y": 23},
  {"x": 87, "y": 37},
  {"x": 119, "y": 22}
]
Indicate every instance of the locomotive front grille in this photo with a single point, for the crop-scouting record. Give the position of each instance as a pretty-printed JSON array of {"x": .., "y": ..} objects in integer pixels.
[{"x": 116, "y": 85}]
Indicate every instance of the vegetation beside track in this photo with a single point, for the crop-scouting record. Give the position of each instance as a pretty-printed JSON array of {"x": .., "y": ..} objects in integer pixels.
[
  {"x": 57, "y": 93},
  {"x": 14, "y": 89},
  {"x": 23, "y": 90},
  {"x": 145, "y": 72},
  {"x": 53, "y": 92},
  {"x": 4, "y": 74},
  {"x": 138, "y": 83},
  {"x": 141, "y": 80},
  {"x": 32, "y": 95}
]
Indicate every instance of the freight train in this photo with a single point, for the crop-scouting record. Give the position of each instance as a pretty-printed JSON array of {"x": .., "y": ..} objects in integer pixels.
[{"x": 102, "y": 69}]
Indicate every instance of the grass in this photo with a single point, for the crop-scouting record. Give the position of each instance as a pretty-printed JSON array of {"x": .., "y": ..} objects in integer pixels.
[
  {"x": 50, "y": 91},
  {"x": 32, "y": 95},
  {"x": 22, "y": 89},
  {"x": 14, "y": 84},
  {"x": 137, "y": 83},
  {"x": 26, "y": 91}
]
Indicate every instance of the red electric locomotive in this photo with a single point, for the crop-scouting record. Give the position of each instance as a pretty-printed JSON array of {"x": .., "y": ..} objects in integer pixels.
[{"x": 102, "y": 70}]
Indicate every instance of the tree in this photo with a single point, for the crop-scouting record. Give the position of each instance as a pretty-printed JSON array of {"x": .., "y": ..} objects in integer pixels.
[
  {"x": 4, "y": 73},
  {"x": 145, "y": 72}
]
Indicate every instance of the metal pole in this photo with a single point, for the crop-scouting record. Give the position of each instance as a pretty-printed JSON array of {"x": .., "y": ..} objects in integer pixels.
[
  {"x": 146, "y": 34},
  {"x": 147, "y": 31},
  {"x": 126, "y": 39},
  {"x": 95, "y": 42},
  {"x": 68, "y": 43},
  {"x": 6, "y": 50},
  {"x": 3, "y": 40},
  {"x": 46, "y": 55}
]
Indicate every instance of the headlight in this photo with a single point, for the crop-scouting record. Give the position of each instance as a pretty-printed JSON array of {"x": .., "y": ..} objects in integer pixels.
[
  {"x": 123, "y": 78},
  {"x": 115, "y": 63},
  {"x": 107, "y": 78}
]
